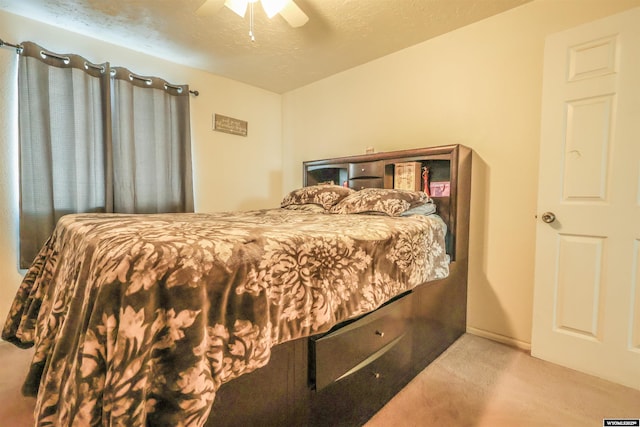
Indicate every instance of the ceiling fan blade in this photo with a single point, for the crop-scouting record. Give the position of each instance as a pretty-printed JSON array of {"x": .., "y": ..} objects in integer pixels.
[
  {"x": 293, "y": 14},
  {"x": 209, "y": 7},
  {"x": 238, "y": 6},
  {"x": 273, "y": 7}
]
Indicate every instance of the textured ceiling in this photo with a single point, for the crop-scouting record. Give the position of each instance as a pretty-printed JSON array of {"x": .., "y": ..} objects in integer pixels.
[{"x": 340, "y": 34}]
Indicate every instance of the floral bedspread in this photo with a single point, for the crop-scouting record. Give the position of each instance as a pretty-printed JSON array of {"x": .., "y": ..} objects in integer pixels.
[{"x": 138, "y": 319}]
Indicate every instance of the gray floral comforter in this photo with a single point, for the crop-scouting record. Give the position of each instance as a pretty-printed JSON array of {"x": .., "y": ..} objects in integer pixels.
[{"x": 138, "y": 319}]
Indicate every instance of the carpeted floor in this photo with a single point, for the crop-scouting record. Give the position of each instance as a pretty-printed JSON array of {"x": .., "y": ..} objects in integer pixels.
[
  {"x": 478, "y": 382},
  {"x": 15, "y": 409},
  {"x": 475, "y": 383}
]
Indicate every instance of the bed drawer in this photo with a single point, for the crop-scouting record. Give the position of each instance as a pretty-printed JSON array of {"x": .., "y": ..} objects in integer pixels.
[
  {"x": 355, "y": 399},
  {"x": 360, "y": 183},
  {"x": 366, "y": 170},
  {"x": 352, "y": 347}
]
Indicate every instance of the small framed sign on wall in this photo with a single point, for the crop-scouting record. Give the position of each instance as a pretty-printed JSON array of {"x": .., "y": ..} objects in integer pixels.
[{"x": 229, "y": 125}]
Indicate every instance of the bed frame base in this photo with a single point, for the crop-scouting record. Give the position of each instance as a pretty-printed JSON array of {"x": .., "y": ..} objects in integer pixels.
[{"x": 280, "y": 394}]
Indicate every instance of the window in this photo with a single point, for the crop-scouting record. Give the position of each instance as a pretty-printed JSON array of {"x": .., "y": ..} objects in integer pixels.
[{"x": 97, "y": 139}]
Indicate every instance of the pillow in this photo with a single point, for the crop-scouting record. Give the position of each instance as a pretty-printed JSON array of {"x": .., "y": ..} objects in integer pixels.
[
  {"x": 380, "y": 200},
  {"x": 323, "y": 195}
]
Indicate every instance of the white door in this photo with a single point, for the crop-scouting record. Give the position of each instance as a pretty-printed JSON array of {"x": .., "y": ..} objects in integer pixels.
[{"x": 587, "y": 276}]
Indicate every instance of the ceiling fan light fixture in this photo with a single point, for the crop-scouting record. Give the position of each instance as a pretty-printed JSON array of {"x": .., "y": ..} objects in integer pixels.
[{"x": 288, "y": 9}]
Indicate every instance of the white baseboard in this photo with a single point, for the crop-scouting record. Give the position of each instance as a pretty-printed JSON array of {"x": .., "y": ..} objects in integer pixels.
[{"x": 500, "y": 338}]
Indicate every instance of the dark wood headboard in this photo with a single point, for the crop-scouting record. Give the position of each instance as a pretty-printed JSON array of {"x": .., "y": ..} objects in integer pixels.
[{"x": 450, "y": 164}]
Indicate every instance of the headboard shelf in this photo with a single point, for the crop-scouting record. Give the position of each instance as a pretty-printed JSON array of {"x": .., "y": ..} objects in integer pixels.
[
  {"x": 378, "y": 170},
  {"x": 335, "y": 174}
]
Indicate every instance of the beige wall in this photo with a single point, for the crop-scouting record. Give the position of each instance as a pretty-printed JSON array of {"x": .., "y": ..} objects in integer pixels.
[
  {"x": 230, "y": 172},
  {"x": 479, "y": 86}
]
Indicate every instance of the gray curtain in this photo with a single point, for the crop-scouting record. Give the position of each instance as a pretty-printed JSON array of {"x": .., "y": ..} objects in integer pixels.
[
  {"x": 151, "y": 144},
  {"x": 64, "y": 133},
  {"x": 96, "y": 139}
]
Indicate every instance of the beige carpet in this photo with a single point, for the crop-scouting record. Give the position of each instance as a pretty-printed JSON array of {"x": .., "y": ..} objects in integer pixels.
[
  {"x": 15, "y": 409},
  {"x": 476, "y": 382}
]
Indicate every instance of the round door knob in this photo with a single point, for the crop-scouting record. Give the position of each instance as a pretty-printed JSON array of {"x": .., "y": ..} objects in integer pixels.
[{"x": 548, "y": 217}]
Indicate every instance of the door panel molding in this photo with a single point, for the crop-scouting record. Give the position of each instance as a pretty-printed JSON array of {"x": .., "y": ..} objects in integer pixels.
[
  {"x": 579, "y": 282},
  {"x": 588, "y": 138},
  {"x": 594, "y": 58}
]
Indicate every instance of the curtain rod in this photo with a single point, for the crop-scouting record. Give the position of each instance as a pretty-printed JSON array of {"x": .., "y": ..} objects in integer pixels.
[
  {"x": 18, "y": 48},
  {"x": 166, "y": 85}
]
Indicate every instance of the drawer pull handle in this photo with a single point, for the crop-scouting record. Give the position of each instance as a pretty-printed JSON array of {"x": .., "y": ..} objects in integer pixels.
[
  {"x": 380, "y": 334},
  {"x": 376, "y": 375},
  {"x": 362, "y": 169}
]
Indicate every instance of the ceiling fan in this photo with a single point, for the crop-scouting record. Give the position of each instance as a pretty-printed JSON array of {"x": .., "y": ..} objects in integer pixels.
[{"x": 286, "y": 8}]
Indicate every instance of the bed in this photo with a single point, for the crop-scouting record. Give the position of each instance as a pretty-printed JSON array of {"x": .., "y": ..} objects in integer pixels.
[{"x": 163, "y": 319}]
